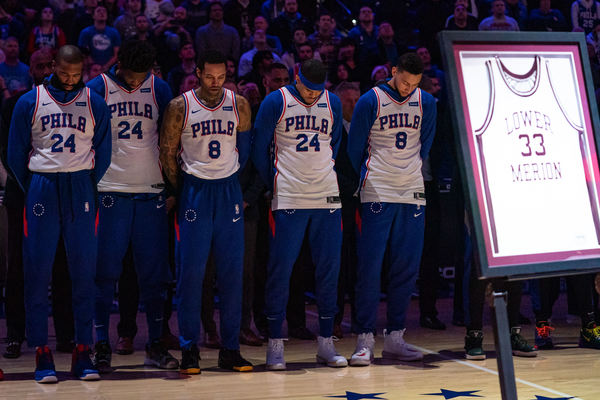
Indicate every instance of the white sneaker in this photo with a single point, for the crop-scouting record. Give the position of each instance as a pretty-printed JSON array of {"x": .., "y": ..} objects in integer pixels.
[
  {"x": 326, "y": 353},
  {"x": 363, "y": 355},
  {"x": 275, "y": 360},
  {"x": 396, "y": 348}
]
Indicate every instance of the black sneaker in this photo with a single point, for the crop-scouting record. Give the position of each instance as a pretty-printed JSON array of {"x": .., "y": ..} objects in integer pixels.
[
  {"x": 233, "y": 361},
  {"x": 519, "y": 345},
  {"x": 45, "y": 372},
  {"x": 13, "y": 350},
  {"x": 158, "y": 356},
  {"x": 474, "y": 345},
  {"x": 190, "y": 360},
  {"x": 103, "y": 357}
]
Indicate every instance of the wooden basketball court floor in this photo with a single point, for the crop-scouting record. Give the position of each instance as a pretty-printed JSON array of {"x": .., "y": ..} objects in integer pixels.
[{"x": 563, "y": 373}]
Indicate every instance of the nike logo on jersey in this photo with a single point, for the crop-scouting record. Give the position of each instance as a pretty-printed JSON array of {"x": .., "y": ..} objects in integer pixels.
[
  {"x": 236, "y": 219},
  {"x": 332, "y": 210},
  {"x": 160, "y": 205},
  {"x": 386, "y": 104},
  {"x": 292, "y": 105},
  {"x": 195, "y": 111},
  {"x": 45, "y": 104},
  {"x": 112, "y": 91},
  {"x": 417, "y": 214}
]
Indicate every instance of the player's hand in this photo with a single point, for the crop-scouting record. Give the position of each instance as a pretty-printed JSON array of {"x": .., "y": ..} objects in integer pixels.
[{"x": 170, "y": 203}]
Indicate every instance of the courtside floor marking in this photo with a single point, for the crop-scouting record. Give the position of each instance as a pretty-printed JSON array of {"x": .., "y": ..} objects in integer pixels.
[{"x": 468, "y": 364}]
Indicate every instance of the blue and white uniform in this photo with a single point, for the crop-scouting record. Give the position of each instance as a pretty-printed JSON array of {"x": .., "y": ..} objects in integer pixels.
[
  {"x": 389, "y": 138},
  {"x": 301, "y": 174},
  {"x": 59, "y": 147},
  {"x": 210, "y": 214},
  {"x": 131, "y": 205}
]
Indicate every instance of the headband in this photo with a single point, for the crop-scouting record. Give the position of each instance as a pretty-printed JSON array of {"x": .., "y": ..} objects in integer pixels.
[{"x": 309, "y": 84}]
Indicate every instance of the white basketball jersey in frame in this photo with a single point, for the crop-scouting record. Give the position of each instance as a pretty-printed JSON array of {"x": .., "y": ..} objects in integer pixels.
[
  {"x": 532, "y": 159},
  {"x": 304, "y": 174},
  {"x": 62, "y": 133},
  {"x": 394, "y": 163},
  {"x": 134, "y": 165},
  {"x": 208, "y": 138}
]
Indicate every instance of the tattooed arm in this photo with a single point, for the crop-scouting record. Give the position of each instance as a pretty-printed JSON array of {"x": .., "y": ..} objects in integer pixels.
[
  {"x": 170, "y": 138},
  {"x": 244, "y": 135}
]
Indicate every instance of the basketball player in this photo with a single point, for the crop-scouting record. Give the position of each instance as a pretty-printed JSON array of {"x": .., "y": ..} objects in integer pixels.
[
  {"x": 304, "y": 121},
  {"x": 59, "y": 148},
  {"x": 132, "y": 209},
  {"x": 209, "y": 127},
  {"x": 392, "y": 130}
]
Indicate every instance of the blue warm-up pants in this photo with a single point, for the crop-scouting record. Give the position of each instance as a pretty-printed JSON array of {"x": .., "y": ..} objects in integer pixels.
[
  {"x": 287, "y": 228},
  {"x": 400, "y": 228},
  {"x": 57, "y": 204},
  {"x": 210, "y": 217},
  {"x": 139, "y": 220}
]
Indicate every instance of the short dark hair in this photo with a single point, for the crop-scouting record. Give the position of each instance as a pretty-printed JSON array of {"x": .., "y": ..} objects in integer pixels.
[
  {"x": 259, "y": 57},
  {"x": 136, "y": 55},
  {"x": 314, "y": 70},
  {"x": 211, "y": 57},
  {"x": 277, "y": 65},
  {"x": 214, "y": 4},
  {"x": 69, "y": 54},
  {"x": 411, "y": 63}
]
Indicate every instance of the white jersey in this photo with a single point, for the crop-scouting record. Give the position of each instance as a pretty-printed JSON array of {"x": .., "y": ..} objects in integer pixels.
[
  {"x": 134, "y": 165},
  {"x": 62, "y": 133},
  {"x": 208, "y": 138},
  {"x": 304, "y": 176},
  {"x": 393, "y": 168},
  {"x": 531, "y": 159}
]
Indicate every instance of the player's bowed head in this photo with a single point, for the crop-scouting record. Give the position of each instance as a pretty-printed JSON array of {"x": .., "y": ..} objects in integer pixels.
[{"x": 310, "y": 80}]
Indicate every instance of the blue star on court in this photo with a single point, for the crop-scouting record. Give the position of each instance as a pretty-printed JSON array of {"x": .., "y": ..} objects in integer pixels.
[
  {"x": 551, "y": 398},
  {"x": 358, "y": 396},
  {"x": 451, "y": 394}
]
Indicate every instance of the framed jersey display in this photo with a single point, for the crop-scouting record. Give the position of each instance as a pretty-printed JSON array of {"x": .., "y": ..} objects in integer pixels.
[{"x": 526, "y": 123}]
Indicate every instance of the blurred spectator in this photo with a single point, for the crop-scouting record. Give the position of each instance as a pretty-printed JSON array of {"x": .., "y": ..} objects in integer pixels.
[
  {"x": 389, "y": 49},
  {"x": 365, "y": 36},
  {"x": 339, "y": 75},
  {"x": 125, "y": 23},
  {"x": 113, "y": 9},
  {"x": 261, "y": 62},
  {"x": 231, "y": 86},
  {"x": 498, "y": 21},
  {"x": 305, "y": 52},
  {"x": 584, "y": 13},
  {"x": 47, "y": 34},
  {"x": 517, "y": 10},
  {"x": 325, "y": 32},
  {"x": 380, "y": 72},
  {"x": 12, "y": 70},
  {"x": 326, "y": 53},
  {"x": 231, "y": 70},
  {"x": 461, "y": 20},
  {"x": 251, "y": 93},
  {"x": 346, "y": 54},
  {"x": 92, "y": 71},
  {"x": 101, "y": 42},
  {"x": 188, "y": 82},
  {"x": 65, "y": 17},
  {"x": 274, "y": 43},
  {"x": 546, "y": 19},
  {"x": 152, "y": 10},
  {"x": 593, "y": 39},
  {"x": 290, "y": 57},
  {"x": 216, "y": 35},
  {"x": 270, "y": 9},
  {"x": 83, "y": 19},
  {"x": 287, "y": 22},
  {"x": 240, "y": 13},
  {"x": 180, "y": 17},
  {"x": 197, "y": 11},
  {"x": 143, "y": 28},
  {"x": 187, "y": 55},
  {"x": 275, "y": 77},
  {"x": 260, "y": 43}
]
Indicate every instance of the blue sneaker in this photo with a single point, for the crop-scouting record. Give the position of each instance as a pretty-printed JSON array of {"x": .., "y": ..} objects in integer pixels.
[
  {"x": 45, "y": 372},
  {"x": 81, "y": 364}
]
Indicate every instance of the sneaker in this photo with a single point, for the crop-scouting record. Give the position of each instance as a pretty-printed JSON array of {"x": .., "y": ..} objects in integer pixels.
[
  {"x": 45, "y": 371},
  {"x": 474, "y": 345},
  {"x": 13, "y": 350},
  {"x": 519, "y": 345},
  {"x": 542, "y": 335},
  {"x": 431, "y": 322},
  {"x": 363, "y": 355},
  {"x": 275, "y": 360},
  {"x": 103, "y": 357},
  {"x": 233, "y": 361},
  {"x": 124, "y": 346},
  {"x": 326, "y": 353},
  {"x": 590, "y": 336},
  {"x": 190, "y": 359},
  {"x": 158, "y": 356},
  {"x": 396, "y": 348},
  {"x": 81, "y": 364}
]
